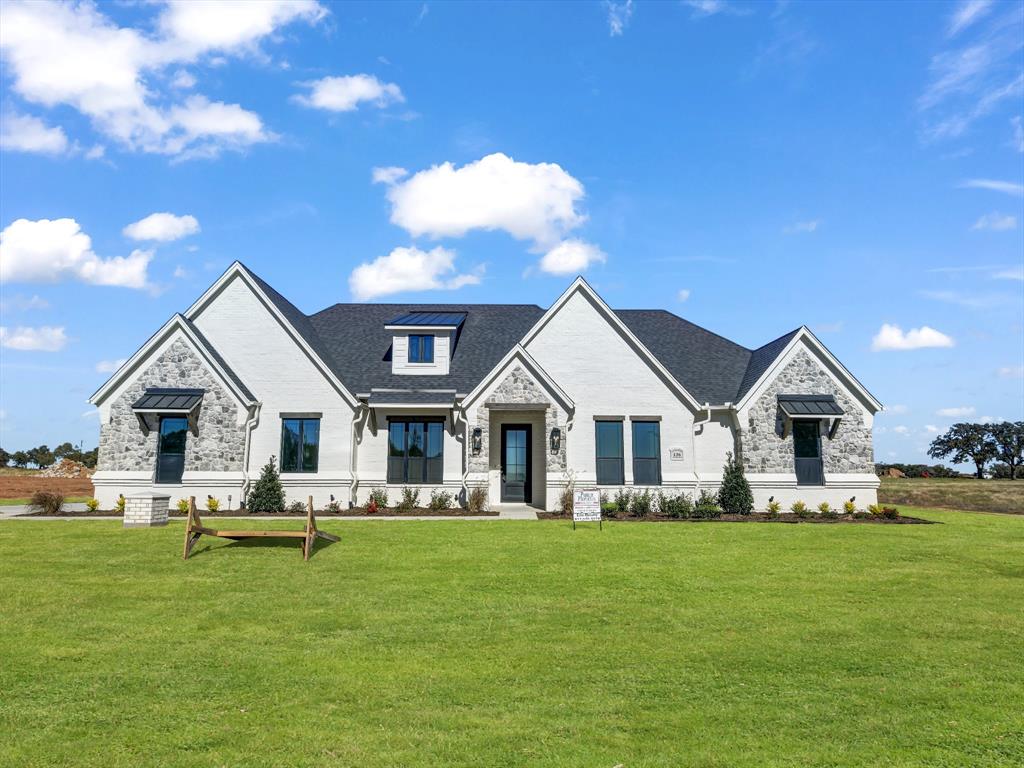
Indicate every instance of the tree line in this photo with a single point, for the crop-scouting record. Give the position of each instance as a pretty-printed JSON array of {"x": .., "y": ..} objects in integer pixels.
[
  {"x": 982, "y": 444},
  {"x": 41, "y": 456}
]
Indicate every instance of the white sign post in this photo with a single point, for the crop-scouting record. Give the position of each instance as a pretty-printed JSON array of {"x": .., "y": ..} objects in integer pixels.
[{"x": 586, "y": 507}]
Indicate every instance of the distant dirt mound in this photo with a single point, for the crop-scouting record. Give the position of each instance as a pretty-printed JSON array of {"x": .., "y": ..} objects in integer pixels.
[{"x": 67, "y": 468}]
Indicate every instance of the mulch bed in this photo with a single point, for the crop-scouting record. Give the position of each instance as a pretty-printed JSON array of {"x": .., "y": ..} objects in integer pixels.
[
  {"x": 354, "y": 512},
  {"x": 757, "y": 517}
]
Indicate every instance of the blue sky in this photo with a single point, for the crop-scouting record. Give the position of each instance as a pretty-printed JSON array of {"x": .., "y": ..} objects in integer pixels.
[{"x": 857, "y": 168}]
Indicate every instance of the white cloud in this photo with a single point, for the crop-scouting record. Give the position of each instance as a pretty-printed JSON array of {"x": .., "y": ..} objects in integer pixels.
[
  {"x": 24, "y": 133},
  {"x": 408, "y": 269},
  {"x": 45, "y": 338},
  {"x": 1018, "y": 133},
  {"x": 1011, "y": 372},
  {"x": 684, "y": 294},
  {"x": 61, "y": 54},
  {"x": 802, "y": 227},
  {"x": 892, "y": 337},
  {"x": 346, "y": 93},
  {"x": 955, "y": 413},
  {"x": 901, "y": 430},
  {"x": 967, "y": 13},
  {"x": 997, "y": 222},
  {"x": 571, "y": 257},
  {"x": 23, "y": 303},
  {"x": 183, "y": 80},
  {"x": 180, "y": 272},
  {"x": 388, "y": 175},
  {"x": 896, "y": 409},
  {"x": 49, "y": 251},
  {"x": 931, "y": 429},
  {"x": 109, "y": 366},
  {"x": 1013, "y": 273},
  {"x": 528, "y": 201},
  {"x": 162, "y": 226},
  {"x": 1006, "y": 187},
  {"x": 95, "y": 152},
  {"x": 703, "y": 8},
  {"x": 619, "y": 15}
]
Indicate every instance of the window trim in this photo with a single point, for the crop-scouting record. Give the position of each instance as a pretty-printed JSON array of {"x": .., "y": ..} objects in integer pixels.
[
  {"x": 657, "y": 451},
  {"x": 407, "y": 420},
  {"x": 302, "y": 431},
  {"x": 621, "y": 457},
  {"x": 421, "y": 348}
]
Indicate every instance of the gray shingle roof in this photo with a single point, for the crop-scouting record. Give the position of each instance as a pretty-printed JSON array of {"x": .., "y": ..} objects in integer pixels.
[
  {"x": 413, "y": 397},
  {"x": 353, "y": 343}
]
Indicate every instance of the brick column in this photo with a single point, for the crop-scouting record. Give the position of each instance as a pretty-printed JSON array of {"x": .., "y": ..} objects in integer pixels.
[{"x": 146, "y": 510}]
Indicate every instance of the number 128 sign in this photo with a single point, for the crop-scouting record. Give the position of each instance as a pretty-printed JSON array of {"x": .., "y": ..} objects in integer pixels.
[{"x": 586, "y": 507}]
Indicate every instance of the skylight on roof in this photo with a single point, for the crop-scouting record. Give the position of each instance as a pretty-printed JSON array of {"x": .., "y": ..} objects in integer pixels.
[{"x": 441, "y": 319}]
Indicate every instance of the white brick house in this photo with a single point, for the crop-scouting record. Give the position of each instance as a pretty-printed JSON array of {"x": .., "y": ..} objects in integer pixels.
[{"x": 513, "y": 398}]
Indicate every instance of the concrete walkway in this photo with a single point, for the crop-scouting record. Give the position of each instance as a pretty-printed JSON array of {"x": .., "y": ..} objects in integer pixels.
[{"x": 505, "y": 512}]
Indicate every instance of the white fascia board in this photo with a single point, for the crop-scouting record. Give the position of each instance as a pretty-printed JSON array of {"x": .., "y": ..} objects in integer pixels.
[
  {"x": 237, "y": 269},
  {"x": 804, "y": 335},
  {"x": 180, "y": 324},
  {"x": 518, "y": 352},
  {"x": 581, "y": 285}
]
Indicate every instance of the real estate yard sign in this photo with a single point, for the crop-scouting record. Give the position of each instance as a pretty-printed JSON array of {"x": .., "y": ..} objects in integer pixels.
[{"x": 586, "y": 507}]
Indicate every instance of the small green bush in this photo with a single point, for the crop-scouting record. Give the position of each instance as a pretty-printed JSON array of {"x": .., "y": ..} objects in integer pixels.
[
  {"x": 477, "y": 502},
  {"x": 827, "y": 511},
  {"x": 92, "y": 504},
  {"x": 676, "y": 507},
  {"x": 440, "y": 500},
  {"x": 332, "y": 507},
  {"x": 379, "y": 496},
  {"x": 609, "y": 509},
  {"x": 890, "y": 513},
  {"x": 182, "y": 505},
  {"x": 875, "y": 509},
  {"x": 212, "y": 504},
  {"x": 296, "y": 508},
  {"x": 119, "y": 504},
  {"x": 849, "y": 507},
  {"x": 641, "y": 504},
  {"x": 410, "y": 499},
  {"x": 734, "y": 495},
  {"x": 267, "y": 493},
  {"x": 801, "y": 510},
  {"x": 773, "y": 508},
  {"x": 706, "y": 507},
  {"x": 623, "y": 501}
]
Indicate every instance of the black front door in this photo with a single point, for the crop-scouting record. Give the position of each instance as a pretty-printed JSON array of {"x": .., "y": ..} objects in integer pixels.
[
  {"x": 170, "y": 452},
  {"x": 515, "y": 462},
  {"x": 807, "y": 452}
]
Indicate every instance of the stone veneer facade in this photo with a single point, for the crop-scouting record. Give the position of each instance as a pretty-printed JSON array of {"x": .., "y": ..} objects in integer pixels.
[
  {"x": 519, "y": 390},
  {"x": 765, "y": 450},
  {"x": 216, "y": 446}
]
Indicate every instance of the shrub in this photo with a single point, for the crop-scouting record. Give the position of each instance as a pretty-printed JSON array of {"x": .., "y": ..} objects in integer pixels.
[
  {"x": 774, "y": 508},
  {"x": 826, "y": 510},
  {"x": 565, "y": 502},
  {"x": 609, "y": 509},
  {"x": 92, "y": 504},
  {"x": 623, "y": 501},
  {"x": 641, "y": 504},
  {"x": 372, "y": 508},
  {"x": 379, "y": 496},
  {"x": 212, "y": 504},
  {"x": 333, "y": 507},
  {"x": 706, "y": 507},
  {"x": 119, "y": 504},
  {"x": 849, "y": 507},
  {"x": 441, "y": 500},
  {"x": 801, "y": 510},
  {"x": 296, "y": 508},
  {"x": 890, "y": 513},
  {"x": 267, "y": 493},
  {"x": 734, "y": 495},
  {"x": 875, "y": 509},
  {"x": 410, "y": 499},
  {"x": 182, "y": 505},
  {"x": 47, "y": 502},
  {"x": 676, "y": 506},
  {"x": 476, "y": 502}
]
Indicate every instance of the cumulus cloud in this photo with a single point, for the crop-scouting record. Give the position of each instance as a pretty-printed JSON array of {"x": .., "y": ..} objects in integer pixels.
[
  {"x": 409, "y": 269},
  {"x": 931, "y": 428},
  {"x": 997, "y": 222},
  {"x": 109, "y": 366},
  {"x": 52, "y": 250},
  {"x": 528, "y": 201},
  {"x": 24, "y": 133},
  {"x": 684, "y": 294},
  {"x": 347, "y": 92},
  {"x": 802, "y": 227},
  {"x": 571, "y": 257},
  {"x": 164, "y": 227},
  {"x": 45, "y": 338},
  {"x": 619, "y": 15},
  {"x": 956, "y": 413},
  {"x": 388, "y": 175},
  {"x": 892, "y": 337},
  {"x": 63, "y": 54}
]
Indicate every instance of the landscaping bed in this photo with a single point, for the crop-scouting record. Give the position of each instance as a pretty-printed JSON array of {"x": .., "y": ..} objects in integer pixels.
[
  {"x": 756, "y": 517},
  {"x": 354, "y": 512}
]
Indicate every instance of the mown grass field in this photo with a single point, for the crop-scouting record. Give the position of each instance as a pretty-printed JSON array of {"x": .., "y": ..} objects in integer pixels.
[
  {"x": 954, "y": 493},
  {"x": 516, "y": 644}
]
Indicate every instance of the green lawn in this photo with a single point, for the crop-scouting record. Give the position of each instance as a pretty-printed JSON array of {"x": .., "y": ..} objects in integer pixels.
[{"x": 516, "y": 644}]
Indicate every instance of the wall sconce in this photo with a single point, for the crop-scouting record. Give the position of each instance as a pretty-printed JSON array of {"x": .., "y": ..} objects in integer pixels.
[
  {"x": 556, "y": 440},
  {"x": 478, "y": 440}
]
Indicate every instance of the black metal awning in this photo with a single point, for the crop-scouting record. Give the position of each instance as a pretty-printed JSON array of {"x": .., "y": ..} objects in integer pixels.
[
  {"x": 810, "y": 406},
  {"x": 159, "y": 400}
]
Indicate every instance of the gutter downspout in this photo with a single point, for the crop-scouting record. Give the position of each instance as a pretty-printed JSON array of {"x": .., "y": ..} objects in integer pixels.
[
  {"x": 250, "y": 424},
  {"x": 693, "y": 445},
  {"x": 458, "y": 417},
  {"x": 359, "y": 414}
]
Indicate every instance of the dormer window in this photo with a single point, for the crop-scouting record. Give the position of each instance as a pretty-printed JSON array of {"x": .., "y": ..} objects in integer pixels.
[{"x": 421, "y": 348}]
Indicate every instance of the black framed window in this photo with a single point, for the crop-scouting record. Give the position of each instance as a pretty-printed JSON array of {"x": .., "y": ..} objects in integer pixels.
[
  {"x": 416, "y": 451},
  {"x": 300, "y": 445},
  {"x": 610, "y": 469},
  {"x": 646, "y": 453},
  {"x": 421, "y": 348}
]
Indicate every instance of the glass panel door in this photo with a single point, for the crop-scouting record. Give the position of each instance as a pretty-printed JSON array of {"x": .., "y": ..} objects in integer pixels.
[
  {"x": 515, "y": 463},
  {"x": 170, "y": 461},
  {"x": 807, "y": 452}
]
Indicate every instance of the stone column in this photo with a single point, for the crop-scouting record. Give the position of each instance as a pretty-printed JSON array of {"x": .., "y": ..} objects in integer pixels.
[{"x": 146, "y": 510}]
